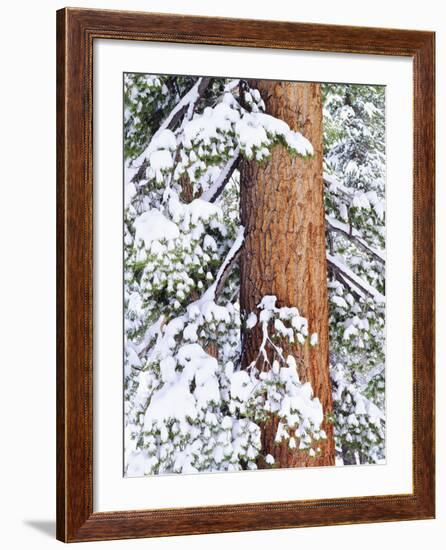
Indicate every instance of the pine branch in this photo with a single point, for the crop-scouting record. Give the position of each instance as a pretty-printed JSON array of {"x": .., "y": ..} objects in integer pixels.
[
  {"x": 354, "y": 236},
  {"x": 228, "y": 267},
  {"x": 187, "y": 105},
  {"x": 212, "y": 293},
  {"x": 151, "y": 332},
  {"x": 217, "y": 187},
  {"x": 358, "y": 285},
  {"x": 340, "y": 188}
]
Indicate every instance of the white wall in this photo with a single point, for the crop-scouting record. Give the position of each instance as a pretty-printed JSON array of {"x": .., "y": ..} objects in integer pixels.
[{"x": 27, "y": 130}]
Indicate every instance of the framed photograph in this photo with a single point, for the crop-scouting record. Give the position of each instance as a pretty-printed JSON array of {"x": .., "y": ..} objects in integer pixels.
[{"x": 245, "y": 275}]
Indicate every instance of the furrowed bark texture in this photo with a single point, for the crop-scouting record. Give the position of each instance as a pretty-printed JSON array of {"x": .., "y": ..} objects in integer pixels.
[{"x": 284, "y": 253}]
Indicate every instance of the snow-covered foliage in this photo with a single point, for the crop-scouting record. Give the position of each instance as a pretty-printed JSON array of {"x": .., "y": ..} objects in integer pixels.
[
  {"x": 189, "y": 407},
  {"x": 196, "y": 413},
  {"x": 359, "y": 421},
  {"x": 354, "y": 158}
]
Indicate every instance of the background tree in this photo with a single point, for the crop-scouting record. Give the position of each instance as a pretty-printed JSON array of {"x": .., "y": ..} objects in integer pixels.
[{"x": 354, "y": 143}]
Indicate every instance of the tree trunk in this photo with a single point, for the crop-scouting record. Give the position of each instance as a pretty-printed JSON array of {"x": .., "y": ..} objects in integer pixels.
[{"x": 284, "y": 254}]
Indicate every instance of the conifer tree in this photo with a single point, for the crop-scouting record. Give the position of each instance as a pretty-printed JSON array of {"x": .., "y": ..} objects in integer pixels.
[
  {"x": 190, "y": 402},
  {"x": 282, "y": 210}
]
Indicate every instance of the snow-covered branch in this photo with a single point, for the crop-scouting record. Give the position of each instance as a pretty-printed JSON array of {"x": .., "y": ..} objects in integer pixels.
[
  {"x": 355, "y": 236},
  {"x": 357, "y": 198},
  {"x": 217, "y": 187},
  {"x": 332, "y": 183},
  {"x": 186, "y": 104},
  {"x": 358, "y": 285},
  {"x": 225, "y": 269},
  {"x": 229, "y": 263}
]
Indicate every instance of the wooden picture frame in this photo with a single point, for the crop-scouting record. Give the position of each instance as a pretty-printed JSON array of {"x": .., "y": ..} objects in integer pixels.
[{"x": 77, "y": 29}]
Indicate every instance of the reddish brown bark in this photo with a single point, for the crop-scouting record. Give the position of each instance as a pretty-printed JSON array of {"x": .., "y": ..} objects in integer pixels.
[{"x": 282, "y": 210}]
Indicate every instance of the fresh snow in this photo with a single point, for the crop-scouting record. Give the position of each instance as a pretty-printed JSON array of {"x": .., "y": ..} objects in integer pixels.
[
  {"x": 211, "y": 193},
  {"x": 351, "y": 231},
  {"x": 154, "y": 226},
  {"x": 359, "y": 285}
]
